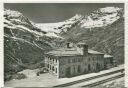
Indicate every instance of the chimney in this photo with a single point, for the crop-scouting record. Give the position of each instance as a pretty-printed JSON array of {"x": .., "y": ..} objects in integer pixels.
[
  {"x": 82, "y": 48},
  {"x": 85, "y": 49}
]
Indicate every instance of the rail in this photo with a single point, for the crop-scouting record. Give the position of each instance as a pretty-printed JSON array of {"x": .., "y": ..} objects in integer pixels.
[
  {"x": 103, "y": 81},
  {"x": 87, "y": 79}
]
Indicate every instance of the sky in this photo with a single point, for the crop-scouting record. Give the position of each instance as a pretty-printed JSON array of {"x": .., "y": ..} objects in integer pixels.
[{"x": 56, "y": 12}]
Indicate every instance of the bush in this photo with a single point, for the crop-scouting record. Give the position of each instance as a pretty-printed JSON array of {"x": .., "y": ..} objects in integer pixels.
[
  {"x": 7, "y": 77},
  {"x": 41, "y": 71},
  {"x": 19, "y": 76}
]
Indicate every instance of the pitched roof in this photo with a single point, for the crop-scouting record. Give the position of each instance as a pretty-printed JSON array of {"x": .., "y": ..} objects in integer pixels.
[
  {"x": 70, "y": 52},
  {"x": 105, "y": 56},
  {"x": 64, "y": 52},
  {"x": 94, "y": 52},
  {"x": 81, "y": 43}
]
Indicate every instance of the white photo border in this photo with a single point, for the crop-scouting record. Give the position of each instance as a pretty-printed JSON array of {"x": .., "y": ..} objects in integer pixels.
[{"x": 61, "y": 1}]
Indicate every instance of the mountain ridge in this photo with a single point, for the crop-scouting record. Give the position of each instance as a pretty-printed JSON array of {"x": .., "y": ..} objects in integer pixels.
[{"x": 25, "y": 42}]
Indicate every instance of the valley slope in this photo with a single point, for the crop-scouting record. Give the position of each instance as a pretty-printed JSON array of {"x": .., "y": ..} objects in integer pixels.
[{"x": 25, "y": 42}]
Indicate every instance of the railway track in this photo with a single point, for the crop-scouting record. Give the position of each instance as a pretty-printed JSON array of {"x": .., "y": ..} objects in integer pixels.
[
  {"x": 104, "y": 81},
  {"x": 92, "y": 78}
]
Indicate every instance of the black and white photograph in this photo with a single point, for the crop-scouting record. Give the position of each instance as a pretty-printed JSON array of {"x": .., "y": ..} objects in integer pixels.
[{"x": 75, "y": 45}]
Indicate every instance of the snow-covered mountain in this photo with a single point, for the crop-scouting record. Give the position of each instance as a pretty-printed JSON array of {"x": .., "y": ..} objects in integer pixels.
[
  {"x": 25, "y": 41},
  {"x": 99, "y": 18},
  {"x": 16, "y": 20},
  {"x": 102, "y": 30},
  {"x": 60, "y": 26},
  {"x": 102, "y": 17}
]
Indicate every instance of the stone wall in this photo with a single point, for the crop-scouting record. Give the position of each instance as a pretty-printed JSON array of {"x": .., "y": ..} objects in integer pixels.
[
  {"x": 69, "y": 66},
  {"x": 80, "y": 64}
]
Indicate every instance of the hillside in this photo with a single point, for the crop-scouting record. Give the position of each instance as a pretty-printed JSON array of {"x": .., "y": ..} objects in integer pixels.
[
  {"x": 102, "y": 30},
  {"x": 24, "y": 43}
]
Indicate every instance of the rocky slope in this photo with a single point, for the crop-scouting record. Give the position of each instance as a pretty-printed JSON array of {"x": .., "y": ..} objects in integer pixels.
[{"x": 24, "y": 43}]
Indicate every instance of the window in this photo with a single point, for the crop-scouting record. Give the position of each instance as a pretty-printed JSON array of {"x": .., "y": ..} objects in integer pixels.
[
  {"x": 53, "y": 68},
  {"x": 89, "y": 67},
  {"x": 74, "y": 69},
  {"x": 73, "y": 60},
  {"x": 50, "y": 67},
  {"x": 79, "y": 59},
  {"x": 68, "y": 60},
  {"x": 97, "y": 66},
  {"x": 56, "y": 70},
  {"x": 79, "y": 68},
  {"x": 88, "y": 59}
]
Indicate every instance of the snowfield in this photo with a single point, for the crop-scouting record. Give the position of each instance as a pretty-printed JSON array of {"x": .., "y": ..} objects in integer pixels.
[
  {"x": 100, "y": 18},
  {"x": 54, "y": 27},
  {"x": 15, "y": 20},
  {"x": 103, "y": 17}
]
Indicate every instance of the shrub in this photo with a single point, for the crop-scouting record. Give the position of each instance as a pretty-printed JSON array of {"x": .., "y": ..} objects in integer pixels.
[{"x": 19, "y": 76}]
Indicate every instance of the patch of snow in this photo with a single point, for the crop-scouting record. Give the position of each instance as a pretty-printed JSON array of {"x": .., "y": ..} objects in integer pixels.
[
  {"x": 49, "y": 27},
  {"x": 25, "y": 28},
  {"x": 52, "y": 35},
  {"x": 110, "y": 9},
  {"x": 11, "y": 13},
  {"x": 7, "y": 21},
  {"x": 10, "y": 27},
  {"x": 102, "y": 21},
  {"x": 53, "y": 27}
]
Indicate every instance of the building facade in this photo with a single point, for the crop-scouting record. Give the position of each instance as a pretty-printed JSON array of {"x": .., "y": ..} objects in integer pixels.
[{"x": 73, "y": 61}]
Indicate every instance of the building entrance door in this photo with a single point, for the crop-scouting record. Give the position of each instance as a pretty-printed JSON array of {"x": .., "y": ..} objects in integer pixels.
[{"x": 68, "y": 71}]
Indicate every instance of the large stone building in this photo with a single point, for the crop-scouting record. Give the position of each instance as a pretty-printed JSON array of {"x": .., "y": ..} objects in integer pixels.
[{"x": 76, "y": 60}]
